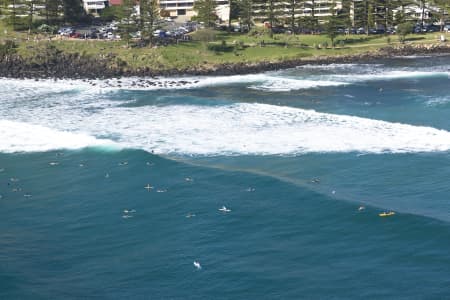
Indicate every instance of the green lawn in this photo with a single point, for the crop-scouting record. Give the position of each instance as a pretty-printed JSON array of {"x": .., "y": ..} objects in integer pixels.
[{"x": 196, "y": 54}]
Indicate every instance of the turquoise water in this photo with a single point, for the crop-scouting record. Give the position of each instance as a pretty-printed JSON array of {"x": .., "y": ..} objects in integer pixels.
[{"x": 292, "y": 154}]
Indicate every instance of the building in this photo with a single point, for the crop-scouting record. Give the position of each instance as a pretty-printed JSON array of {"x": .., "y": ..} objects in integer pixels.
[
  {"x": 94, "y": 7},
  {"x": 185, "y": 8},
  {"x": 417, "y": 13},
  {"x": 320, "y": 9},
  {"x": 377, "y": 15}
]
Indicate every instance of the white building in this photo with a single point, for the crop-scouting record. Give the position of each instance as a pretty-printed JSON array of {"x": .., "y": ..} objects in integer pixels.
[
  {"x": 94, "y": 6},
  {"x": 178, "y": 8},
  {"x": 414, "y": 12},
  {"x": 320, "y": 8}
]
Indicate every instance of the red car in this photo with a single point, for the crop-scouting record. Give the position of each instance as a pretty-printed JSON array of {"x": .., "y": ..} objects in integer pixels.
[{"x": 75, "y": 35}]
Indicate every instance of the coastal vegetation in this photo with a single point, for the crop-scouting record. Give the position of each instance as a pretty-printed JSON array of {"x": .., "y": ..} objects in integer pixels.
[{"x": 100, "y": 56}]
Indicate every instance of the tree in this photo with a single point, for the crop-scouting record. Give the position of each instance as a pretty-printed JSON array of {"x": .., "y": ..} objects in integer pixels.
[
  {"x": 111, "y": 13},
  {"x": 384, "y": 12},
  {"x": 293, "y": 10},
  {"x": 52, "y": 10},
  {"x": 344, "y": 13},
  {"x": 333, "y": 24},
  {"x": 246, "y": 12},
  {"x": 30, "y": 12},
  {"x": 314, "y": 21},
  {"x": 367, "y": 13},
  {"x": 271, "y": 14},
  {"x": 72, "y": 11},
  {"x": 7, "y": 48},
  {"x": 444, "y": 11},
  {"x": 126, "y": 14},
  {"x": 331, "y": 28},
  {"x": 206, "y": 12},
  {"x": 370, "y": 15},
  {"x": 149, "y": 14},
  {"x": 309, "y": 23},
  {"x": 3, "y": 7},
  {"x": 11, "y": 13},
  {"x": 403, "y": 30},
  {"x": 233, "y": 12}
]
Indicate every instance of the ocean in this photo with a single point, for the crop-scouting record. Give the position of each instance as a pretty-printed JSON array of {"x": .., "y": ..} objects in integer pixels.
[{"x": 264, "y": 186}]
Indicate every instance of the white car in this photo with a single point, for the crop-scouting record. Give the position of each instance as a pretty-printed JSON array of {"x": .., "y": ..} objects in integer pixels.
[{"x": 447, "y": 28}]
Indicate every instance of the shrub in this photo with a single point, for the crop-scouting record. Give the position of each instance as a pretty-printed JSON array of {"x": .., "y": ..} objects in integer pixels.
[
  {"x": 204, "y": 35},
  {"x": 403, "y": 30},
  {"x": 255, "y": 32},
  {"x": 238, "y": 45},
  {"x": 7, "y": 48},
  {"x": 220, "y": 48}
]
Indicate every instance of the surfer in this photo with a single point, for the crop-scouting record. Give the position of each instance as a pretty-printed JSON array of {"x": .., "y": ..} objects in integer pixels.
[
  {"x": 224, "y": 209},
  {"x": 197, "y": 265}
]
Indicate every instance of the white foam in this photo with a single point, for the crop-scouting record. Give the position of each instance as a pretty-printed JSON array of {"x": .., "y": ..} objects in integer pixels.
[
  {"x": 351, "y": 73},
  {"x": 22, "y": 137},
  {"x": 239, "y": 129},
  {"x": 24, "y": 89},
  {"x": 73, "y": 121},
  {"x": 263, "y": 130},
  {"x": 392, "y": 75},
  {"x": 341, "y": 74},
  {"x": 438, "y": 101},
  {"x": 266, "y": 81},
  {"x": 288, "y": 84}
]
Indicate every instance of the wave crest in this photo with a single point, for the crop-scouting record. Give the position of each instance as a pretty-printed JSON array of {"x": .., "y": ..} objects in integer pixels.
[{"x": 23, "y": 137}]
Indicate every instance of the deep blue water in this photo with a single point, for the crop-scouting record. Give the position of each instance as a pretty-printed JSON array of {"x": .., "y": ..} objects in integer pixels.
[{"x": 293, "y": 154}]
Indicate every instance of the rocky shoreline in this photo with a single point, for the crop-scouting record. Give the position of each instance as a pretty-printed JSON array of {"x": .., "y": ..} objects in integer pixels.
[{"x": 54, "y": 64}]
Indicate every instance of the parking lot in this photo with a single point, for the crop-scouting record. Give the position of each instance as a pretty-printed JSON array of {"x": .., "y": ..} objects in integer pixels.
[{"x": 163, "y": 29}]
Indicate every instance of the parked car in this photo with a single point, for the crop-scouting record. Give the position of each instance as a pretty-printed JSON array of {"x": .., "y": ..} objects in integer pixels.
[
  {"x": 360, "y": 30},
  {"x": 136, "y": 34},
  {"x": 75, "y": 35},
  {"x": 350, "y": 31},
  {"x": 433, "y": 28},
  {"x": 66, "y": 31},
  {"x": 447, "y": 28},
  {"x": 391, "y": 30},
  {"x": 159, "y": 33}
]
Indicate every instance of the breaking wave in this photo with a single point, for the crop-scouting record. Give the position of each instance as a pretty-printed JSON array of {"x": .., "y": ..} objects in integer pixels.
[
  {"x": 238, "y": 129},
  {"x": 22, "y": 137}
]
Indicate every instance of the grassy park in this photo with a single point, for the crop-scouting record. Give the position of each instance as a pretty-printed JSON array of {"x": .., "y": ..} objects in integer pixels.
[{"x": 220, "y": 47}]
